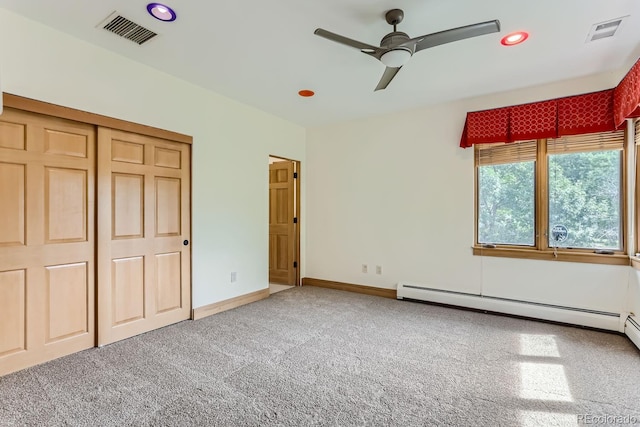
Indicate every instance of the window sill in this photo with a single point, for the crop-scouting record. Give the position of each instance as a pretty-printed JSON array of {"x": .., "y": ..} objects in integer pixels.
[{"x": 548, "y": 255}]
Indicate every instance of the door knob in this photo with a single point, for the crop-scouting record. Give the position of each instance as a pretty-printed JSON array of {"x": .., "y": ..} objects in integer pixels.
[{"x": 186, "y": 242}]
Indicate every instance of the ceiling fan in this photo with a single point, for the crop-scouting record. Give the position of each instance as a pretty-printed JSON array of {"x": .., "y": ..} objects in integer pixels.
[{"x": 396, "y": 48}]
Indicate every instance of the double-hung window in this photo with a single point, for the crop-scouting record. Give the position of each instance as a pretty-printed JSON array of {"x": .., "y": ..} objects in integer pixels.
[
  {"x": 552, "y": 198},
  {"x": 506, "y": 176}
]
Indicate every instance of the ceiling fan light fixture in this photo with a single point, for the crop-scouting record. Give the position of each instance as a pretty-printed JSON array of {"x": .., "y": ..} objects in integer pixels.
[
  {"x": 161, "y": 12},
  {"x": 395, "y": 58},
  {"x": 514, "y": 38},
  {"x": 396, "y": 48}
]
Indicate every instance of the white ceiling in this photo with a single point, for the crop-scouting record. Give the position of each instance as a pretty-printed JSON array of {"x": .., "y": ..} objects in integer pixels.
[{"x": 262, "y": 52}]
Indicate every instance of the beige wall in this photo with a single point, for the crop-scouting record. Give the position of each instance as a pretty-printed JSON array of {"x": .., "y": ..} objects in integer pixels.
[
  {"x": 397, "y": 191},
  {"x": 394, "y": 191},
  {"x": 232, "y": 142}
]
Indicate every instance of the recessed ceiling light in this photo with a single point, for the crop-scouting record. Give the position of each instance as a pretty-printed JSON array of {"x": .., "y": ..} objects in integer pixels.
[
  {"x": 161, "y": 12},
  {"x": 514, "y": 38},
  {"x": 306, "y": 93}
]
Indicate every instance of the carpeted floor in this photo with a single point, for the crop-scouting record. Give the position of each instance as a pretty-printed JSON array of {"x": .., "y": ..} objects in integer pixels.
[{"x": 312, "y": 356}]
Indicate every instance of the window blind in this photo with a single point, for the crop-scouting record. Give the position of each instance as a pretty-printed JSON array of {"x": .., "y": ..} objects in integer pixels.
[
  {"x": 637, "y": 132},
  {"x": 586, "y": 142},
  {"x": 501, "y": 153}
]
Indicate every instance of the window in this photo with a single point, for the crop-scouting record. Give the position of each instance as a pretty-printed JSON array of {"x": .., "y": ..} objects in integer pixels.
[
  {"x": 506, "y": 193},
  {"x": 552, "y": 199},
  {"x": 585, "y": 190}
]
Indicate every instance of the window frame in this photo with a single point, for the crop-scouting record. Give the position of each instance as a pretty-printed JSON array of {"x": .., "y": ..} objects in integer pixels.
[
  {"x": 541, "y": 249},
  {"x": 635, "y": 143}
]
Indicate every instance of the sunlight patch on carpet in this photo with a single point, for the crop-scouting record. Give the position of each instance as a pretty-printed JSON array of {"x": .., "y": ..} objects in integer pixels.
[
  {"x": 544, "y": 381},
  {"x": 538, "y": 345}
]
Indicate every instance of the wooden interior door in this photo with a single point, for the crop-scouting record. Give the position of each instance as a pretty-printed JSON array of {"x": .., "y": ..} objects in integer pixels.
[
  {"x": 144, "y": 257},
  {"x": 282, "y": 236},
  {"x": 47, "y": 169}
]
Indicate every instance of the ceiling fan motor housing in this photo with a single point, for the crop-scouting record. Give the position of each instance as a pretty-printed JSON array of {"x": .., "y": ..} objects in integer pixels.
[
  {"x": 392, "y": 40},
  {"x": 396, "y": 55}
]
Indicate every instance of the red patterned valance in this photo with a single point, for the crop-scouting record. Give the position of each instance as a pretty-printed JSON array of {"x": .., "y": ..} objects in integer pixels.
[
  {"x": 489, "y": 125},
  {"x": 533, "y": 121},
  {"x": 626, "y": 96},
  {"x": 587, "y": 113}
]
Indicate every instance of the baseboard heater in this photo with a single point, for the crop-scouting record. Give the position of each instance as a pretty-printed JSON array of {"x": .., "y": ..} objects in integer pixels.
[
  {"x": 556, "y": 313},
  {"x": 632, "y": 330}
]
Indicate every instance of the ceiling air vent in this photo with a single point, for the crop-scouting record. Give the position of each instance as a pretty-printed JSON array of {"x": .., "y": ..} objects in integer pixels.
[
  {"x": 127, "y": 29},
  {"x": 606, "y": 29}
]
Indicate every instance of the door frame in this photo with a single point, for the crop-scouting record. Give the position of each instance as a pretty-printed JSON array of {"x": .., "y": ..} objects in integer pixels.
[
  {"x": 41, "y": 107},
  {"x": 296, "y": 212}
]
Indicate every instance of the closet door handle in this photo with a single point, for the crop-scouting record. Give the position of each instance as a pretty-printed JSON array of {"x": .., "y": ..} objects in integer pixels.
[{"x": 186, "y": 243}]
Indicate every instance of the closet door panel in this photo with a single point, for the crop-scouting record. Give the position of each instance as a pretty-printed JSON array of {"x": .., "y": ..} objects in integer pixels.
[
  {"x": 47, "y": 242},
  {"x": 144, "y": 280}
]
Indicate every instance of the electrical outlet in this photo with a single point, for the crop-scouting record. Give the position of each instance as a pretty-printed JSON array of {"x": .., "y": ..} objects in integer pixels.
[
  {"x": 378, "y": 269},
  {"x": 365, "y": 268},
  {"x": 234, "y": 276}
]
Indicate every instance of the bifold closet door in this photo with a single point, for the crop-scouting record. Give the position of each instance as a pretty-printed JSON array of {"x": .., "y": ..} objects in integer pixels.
[
  {"x": 144, "y": 258},
  {"x": 47, "y": 244}
]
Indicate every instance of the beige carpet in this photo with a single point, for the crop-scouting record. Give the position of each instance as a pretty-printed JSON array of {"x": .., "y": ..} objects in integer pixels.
[{"x": 313, "y": 356}]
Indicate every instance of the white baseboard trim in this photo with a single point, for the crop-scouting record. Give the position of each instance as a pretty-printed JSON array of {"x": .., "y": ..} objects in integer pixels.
[
  {"x": 575, "y": 316},
  {"x": 632, "y": 330}
]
